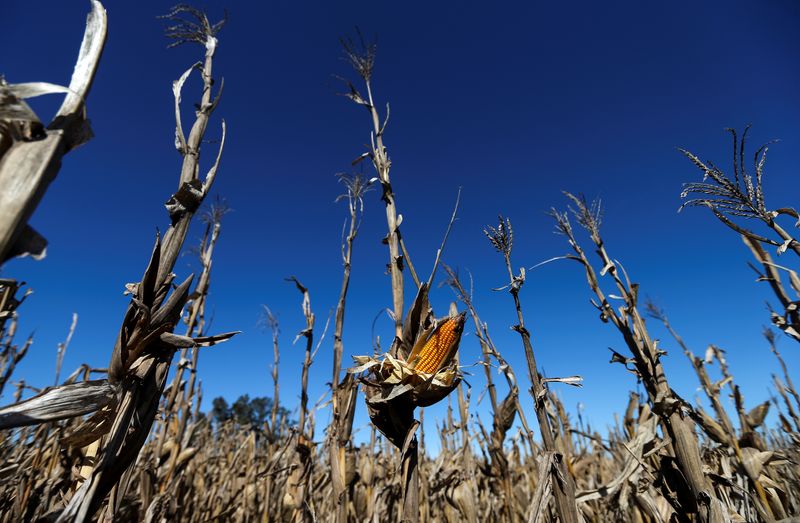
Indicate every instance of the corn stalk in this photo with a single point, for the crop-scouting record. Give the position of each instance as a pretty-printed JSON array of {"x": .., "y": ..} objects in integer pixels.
[
  {"x": 343, "y": 399},
  {"x": 501, "y": 239},
  {"x": 742, "y": 198},
  {"x": 30, "y": 153},
  {"x": 692, "y": 489},
  {"x": 145, "y": 347},
  {"x": 297, "y": 494}
]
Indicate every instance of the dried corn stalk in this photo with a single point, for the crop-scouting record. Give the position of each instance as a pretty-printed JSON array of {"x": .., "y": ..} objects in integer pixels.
[
  {"x": 690, "y": 490},
  {"x": 30, "y": 153},
  {"x": 393, "y": 388}
]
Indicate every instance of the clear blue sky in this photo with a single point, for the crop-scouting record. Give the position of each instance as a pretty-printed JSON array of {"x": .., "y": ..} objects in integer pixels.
[{"x": 513, "y": 102}]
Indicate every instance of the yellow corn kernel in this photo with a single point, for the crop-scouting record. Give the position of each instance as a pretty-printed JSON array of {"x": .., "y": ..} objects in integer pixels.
[{"x": 439, "y": 345}]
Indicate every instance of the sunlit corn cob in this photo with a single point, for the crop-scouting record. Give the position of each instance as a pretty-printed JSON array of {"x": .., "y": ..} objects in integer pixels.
[
  {"x": 417, "y": 370},
  {"x": 440, "y": 346}
]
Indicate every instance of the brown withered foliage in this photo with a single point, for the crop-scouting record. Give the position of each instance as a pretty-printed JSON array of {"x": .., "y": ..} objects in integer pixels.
[{"x": 126, "y": 443}]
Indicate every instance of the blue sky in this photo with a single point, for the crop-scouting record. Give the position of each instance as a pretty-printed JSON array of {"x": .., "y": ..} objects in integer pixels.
[{"x": 514, "y": 102}]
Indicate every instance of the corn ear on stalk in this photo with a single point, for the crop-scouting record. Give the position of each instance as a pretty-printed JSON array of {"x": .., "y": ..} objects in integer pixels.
[
  {"x": 417, "y": 371},
  {"x": 439, "y": 347}
]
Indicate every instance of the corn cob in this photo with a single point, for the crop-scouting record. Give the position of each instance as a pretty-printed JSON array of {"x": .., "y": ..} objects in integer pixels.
[{"x": 440, "y": 346}]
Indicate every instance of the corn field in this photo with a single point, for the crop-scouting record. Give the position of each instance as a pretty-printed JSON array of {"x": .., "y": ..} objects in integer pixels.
[{"x": 125, "y": 439}]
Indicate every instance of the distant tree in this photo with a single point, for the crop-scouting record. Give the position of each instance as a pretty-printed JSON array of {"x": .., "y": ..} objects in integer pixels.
[
  {"x": 261, "y": 407},
  {"x": 248, "y": 412},
  {"x": 242, "y": 411},
  {"x": 220, "y": 411}
]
